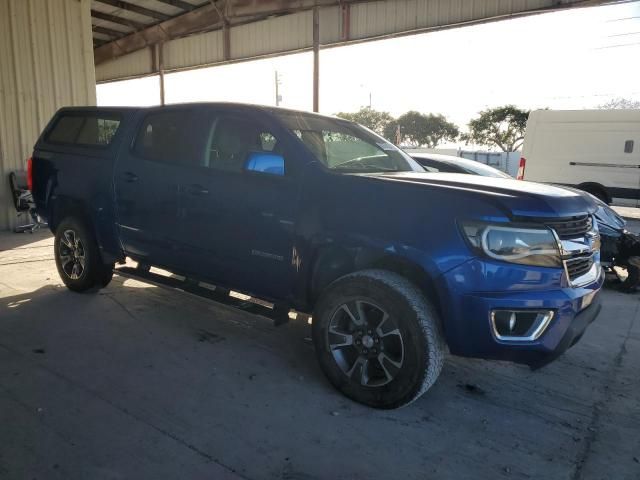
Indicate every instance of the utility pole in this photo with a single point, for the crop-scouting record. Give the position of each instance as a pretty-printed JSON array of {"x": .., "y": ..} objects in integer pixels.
[{"x": 278, "y": 96}]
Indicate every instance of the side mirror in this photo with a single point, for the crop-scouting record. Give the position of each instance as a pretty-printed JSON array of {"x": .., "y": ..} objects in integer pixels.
[{"x": 265, "y": 162}]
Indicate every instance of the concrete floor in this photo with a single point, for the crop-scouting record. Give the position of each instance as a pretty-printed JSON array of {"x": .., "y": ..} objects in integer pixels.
[{"x": 142, "y": 382}]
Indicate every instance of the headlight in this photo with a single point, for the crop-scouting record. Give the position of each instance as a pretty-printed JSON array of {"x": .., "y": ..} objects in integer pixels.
[{"x": 527, "y": 246}]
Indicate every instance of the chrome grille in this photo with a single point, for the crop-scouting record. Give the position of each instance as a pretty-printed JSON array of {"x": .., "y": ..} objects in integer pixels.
[
  {"x": 571, "y": 227},
  {"x": 578, "y": 266}
]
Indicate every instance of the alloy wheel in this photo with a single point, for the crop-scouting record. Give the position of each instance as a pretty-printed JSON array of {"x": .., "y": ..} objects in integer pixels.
[
  {"x": 72, "y": 254},
  {"x": 366, "y": 343}
]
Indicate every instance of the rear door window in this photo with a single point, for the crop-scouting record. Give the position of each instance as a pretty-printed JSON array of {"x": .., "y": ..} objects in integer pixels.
[
  {"x": 170, "y": 137},
  {"x": 88, "y": 130}
]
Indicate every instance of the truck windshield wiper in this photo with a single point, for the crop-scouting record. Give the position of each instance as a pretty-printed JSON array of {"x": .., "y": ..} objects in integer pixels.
[{"x": 362, "y": 166}]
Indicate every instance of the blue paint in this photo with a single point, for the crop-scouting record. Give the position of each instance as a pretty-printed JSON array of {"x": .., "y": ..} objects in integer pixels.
[
  {"x": 262, "y": 162},
  {"x": 284, "y": 225}
]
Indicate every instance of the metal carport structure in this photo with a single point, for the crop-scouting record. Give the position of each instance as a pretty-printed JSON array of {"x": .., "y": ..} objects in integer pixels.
[
  {"x": 218, "y": 33},
  {"x": 46, "y": 48}
]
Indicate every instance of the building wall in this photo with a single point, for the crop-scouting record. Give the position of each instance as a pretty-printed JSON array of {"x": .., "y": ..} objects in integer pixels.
[{"x": 46, "y": 62}]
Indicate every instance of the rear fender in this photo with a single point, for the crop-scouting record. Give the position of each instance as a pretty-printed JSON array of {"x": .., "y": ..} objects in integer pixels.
[{"x": 61, "y": 207}]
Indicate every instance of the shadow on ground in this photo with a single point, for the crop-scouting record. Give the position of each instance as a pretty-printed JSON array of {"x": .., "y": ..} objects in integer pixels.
[{"x": 142, "y": 382}]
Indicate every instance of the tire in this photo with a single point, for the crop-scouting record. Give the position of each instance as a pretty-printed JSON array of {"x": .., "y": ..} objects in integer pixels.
[
  {"x": 598, "y": 193},
  {"x": 78, "y": 258},
  {"x": 105, "y": 276},
  {"x": 381, "y": 363}
]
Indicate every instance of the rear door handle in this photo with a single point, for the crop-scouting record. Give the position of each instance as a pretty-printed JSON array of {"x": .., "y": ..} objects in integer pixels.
[
  {"x": 130, "y": 177},
  {"x": 196, "y": 190}
]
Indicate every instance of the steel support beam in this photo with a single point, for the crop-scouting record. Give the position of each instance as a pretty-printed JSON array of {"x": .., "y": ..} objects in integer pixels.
[
  {"x": 160, "y": 59},
  {"x": 118, "y": 20},
  {"x": 316, "y": 59},
  {"x": 109, "y": 31},
  {"x": 187, "y": 7},
  {"x": 240, "y": 8},
  {"x": 136, "y": 9},
  {"x": 346, "y": 22},
  {"x": 226, "y": 40},
  {"x": 191, "y": 22},
  {"x": 226, "y": 14},
  {"x": 211, "y": 16}
]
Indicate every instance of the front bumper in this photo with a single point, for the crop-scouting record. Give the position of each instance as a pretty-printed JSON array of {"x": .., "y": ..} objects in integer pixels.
[
  {"x": 573, "y": 334},
  {"x": 467, "y": 310}
]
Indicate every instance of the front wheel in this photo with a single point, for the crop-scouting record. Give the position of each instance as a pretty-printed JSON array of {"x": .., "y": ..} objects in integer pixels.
[
  {"x": 378, "y": 339},
  {"x": 78, "y": 258}
]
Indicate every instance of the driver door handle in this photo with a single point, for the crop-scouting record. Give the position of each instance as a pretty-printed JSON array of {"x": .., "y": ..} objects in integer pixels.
[
  {"x": 130, "y": 177},
  {"x": 196, "y": 190}
]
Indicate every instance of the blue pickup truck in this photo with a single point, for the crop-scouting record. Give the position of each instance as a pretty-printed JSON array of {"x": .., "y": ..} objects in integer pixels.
[{"x": 321, "y": 215}]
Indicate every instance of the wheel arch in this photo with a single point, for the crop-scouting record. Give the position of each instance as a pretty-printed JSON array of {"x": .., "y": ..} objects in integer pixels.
[
  {"x": 333, "y": 262},
  {"x": 65, "y": 207},
  {"x": 594, "y": 188}
]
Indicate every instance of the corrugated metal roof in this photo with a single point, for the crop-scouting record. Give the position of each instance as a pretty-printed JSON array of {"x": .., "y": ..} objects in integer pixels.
[
  {"x": 134, "y": 64},
  {"x": 352, "y": 20},
  {"x": 47, "y": 62},
  {"x": 114, "y": 19},
  {"x": 194, "y": 50},
  {"x": 279, "y": 34}
]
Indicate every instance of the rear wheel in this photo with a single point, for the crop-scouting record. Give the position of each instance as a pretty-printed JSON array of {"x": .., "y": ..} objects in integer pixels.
[
  {"x": 78, "y": 258},
  {"x": 378, "y": 338}
]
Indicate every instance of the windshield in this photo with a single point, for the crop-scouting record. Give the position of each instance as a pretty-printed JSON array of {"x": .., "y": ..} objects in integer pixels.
[{"x": 346, "y": 147}]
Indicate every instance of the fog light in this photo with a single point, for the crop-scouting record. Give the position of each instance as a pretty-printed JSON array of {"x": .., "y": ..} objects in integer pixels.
[{"x": 520, "y": 325}]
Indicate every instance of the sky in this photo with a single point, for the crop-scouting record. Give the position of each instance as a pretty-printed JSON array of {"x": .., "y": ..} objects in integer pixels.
[{"x": 564, "y": 60}]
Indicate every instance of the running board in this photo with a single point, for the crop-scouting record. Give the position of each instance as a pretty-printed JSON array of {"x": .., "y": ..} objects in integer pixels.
[{"x": 279, "y": 315}]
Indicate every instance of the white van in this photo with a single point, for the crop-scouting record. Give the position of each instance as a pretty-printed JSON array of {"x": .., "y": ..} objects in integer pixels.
[{"x": 594, "y": 150}]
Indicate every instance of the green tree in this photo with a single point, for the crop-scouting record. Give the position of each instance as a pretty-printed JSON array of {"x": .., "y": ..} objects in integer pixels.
[
  {"x": 390, "y": 131},
  {"x": 501, "y": 127},
  {"x": 370, "y": 118},
  {"x": 427, "y": 130},
  {"x": 440, "y": 129}
]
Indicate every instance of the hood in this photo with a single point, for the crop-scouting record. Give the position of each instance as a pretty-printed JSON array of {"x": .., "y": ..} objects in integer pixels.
[{"x": 517, "y": 198}]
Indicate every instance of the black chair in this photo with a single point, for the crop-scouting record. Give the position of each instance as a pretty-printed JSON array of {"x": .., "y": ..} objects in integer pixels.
[{"x": 23, "y": 202}]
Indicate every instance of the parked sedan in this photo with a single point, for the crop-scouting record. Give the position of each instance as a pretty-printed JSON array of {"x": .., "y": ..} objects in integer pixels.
[{"x": 434, "y": 162}]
